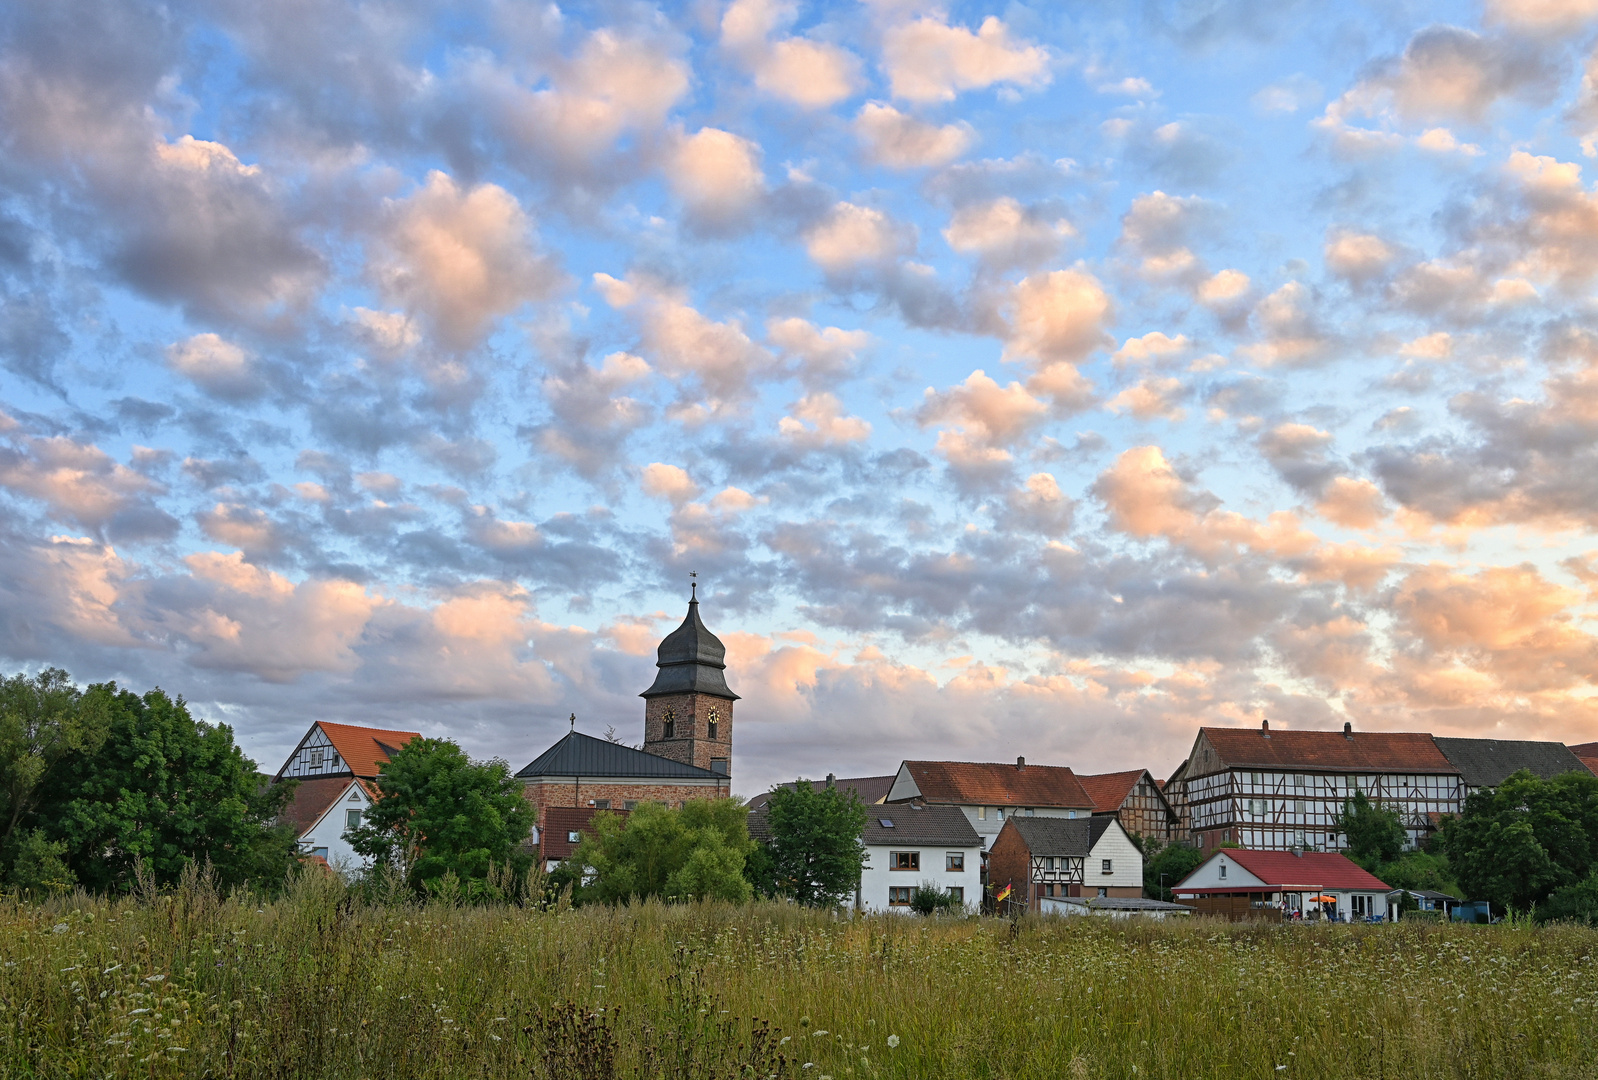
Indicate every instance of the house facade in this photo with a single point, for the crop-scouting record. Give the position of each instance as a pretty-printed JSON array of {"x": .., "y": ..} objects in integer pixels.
[
  {"x": 1040, "y": 858},
  {"x": 336, "y": 766},
  {"x": 907, "y": 845},
  {"x": 687, "y": 747},
  {"x": 1240, "y": 885},
  {"x": 1135, "y": 800},
  {"x": 989, "y": 793}
]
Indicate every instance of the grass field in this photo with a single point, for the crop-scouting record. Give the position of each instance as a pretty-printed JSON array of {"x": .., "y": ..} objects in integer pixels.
[{"x": 316, "y": 985}]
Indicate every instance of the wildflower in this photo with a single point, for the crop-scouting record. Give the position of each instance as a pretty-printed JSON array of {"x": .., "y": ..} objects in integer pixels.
[
  {"x": 893, "y": 1042},
  {"x": 818, "y": 1034},
  {"x": 60, "y": 928}
]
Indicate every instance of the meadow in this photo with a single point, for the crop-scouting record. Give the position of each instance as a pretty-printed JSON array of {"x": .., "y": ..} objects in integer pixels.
[{"x": 316, "y": 983}]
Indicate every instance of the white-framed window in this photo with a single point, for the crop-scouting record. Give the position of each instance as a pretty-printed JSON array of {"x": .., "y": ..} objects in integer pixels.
[
  {"x": 322, "y": 851},
  {"x": 1071, "y": 814},
  {"x": 573, "y": 837},
  {"x": 352, "y": 819},
  {"x": 1031, "y": 812},
  {"x": 355, "y": 794},
  {"x": 954, "y": 862},
  {"x": 316, "y": 758},
  {"x": 601, "y": 804},
  {"x": 904, "y": 860}
]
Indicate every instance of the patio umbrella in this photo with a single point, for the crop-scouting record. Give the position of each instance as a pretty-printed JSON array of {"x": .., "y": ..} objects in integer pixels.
[{"x": 1323, "y": 899}]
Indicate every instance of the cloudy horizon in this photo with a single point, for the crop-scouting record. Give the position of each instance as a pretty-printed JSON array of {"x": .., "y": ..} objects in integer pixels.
[{"x": 1015, "y": 382}]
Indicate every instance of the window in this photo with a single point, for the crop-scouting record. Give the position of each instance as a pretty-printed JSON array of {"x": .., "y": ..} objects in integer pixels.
[
  {"x": 982, "y": 813},
  {"x": 957, "y": 894},
  {"x": 1071, "y": 814},
  {"x": 999, "y": 812},
  {"x": 601, "y": 804},
  {"x": 954, "y": 862},
  {"x": 574, "y": 837},
  {"x": 631, "y": 804},
  {"x": 1030, "y": 812},
  {"x": 899, "y": 896},
  {"x": 904, "y": 860},
  {"x": 1106, "y": 867},
  {"x": 668, "y": 727},
  {"x": 1223, "y": 870},
  {"x": 1048, "y": 889},
  {"x": 1104, "y": 892},
  {"x": 316, "y": 758},
  {"x": 322, "y": 851},
  {"x": 352, "y": 819},
  {"x": 355, "y": 794},
  {"x": 718, "y": 764}
]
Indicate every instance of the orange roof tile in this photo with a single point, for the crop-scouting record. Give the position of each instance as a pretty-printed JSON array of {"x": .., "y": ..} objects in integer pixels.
[
  {"x": 1330, "y": 751},
  {"x": 311, "y": 799},
  {"x": 364, "y": 749},
  {"x": 560, "y": 822},
  {"x": 1109, "y": 790},
  {"x": 979, "y": 783},
  {"x": 1588, "y": 753}
]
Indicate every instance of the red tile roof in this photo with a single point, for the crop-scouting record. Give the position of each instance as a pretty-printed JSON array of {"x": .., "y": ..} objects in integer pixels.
[
  {"x": 979, "y": 783},
  {"x": 1109, "y": 790},
  {"x": 560, "y": 822},
  {"x": 311, "y": 800},
  {"x": 1329, "y": 751},
  {"x": 1588, "y": 753},
  {"x": 1285, "y": 870},
  {"x": 364, "y": 749}
]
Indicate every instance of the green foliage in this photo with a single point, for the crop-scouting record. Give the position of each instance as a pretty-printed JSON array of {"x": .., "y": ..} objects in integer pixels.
[
  {"x": 1419, "y": 870},
  {"x": 928, "y": 899},
  {"x": 816, "y": 853},
  {"x": 1171, "y": 863},
  {"x": 1576, "y": 903},
  {"x": 38, "y": 866},
  {"x": 156, "y": 786},
  {"x": 696, "y": 852},
  {"x": 1517, "y": 844},
  {"x": 1375, "y": 833},
  {"x": 448, "y": 822},
  {"x": 42, "y": 720}
]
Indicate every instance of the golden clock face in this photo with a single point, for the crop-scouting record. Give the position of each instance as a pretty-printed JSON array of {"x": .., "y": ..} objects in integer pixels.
[{"x": 715, "y": 714}]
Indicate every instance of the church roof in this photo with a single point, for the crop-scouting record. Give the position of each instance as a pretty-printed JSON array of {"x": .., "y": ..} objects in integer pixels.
[
  {"x": 691, "y": 660},
  {"x": 583, "y": 755}
]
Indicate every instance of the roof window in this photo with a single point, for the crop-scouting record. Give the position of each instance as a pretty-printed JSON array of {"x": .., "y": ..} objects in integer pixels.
[{"x": 886, "y": 823}]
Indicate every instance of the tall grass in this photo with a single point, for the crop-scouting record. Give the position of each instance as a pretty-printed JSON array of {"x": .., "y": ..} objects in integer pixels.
[{"x": 317, "y": 984}]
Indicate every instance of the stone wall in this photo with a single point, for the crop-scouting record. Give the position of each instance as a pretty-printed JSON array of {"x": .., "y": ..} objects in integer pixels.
[{"x": 690, "y": 743}]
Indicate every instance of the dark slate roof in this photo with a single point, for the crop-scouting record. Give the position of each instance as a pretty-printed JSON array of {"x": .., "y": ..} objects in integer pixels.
[
  {"x": 869, "y": 789},
  {"x": 691, "y": 659},
  {"x": 945, "y": 825},
  {"x": 1058, "y": 836},
  {"x": 1097, "y": 826},
  {"x": 1489, "y": 762},
  {"x": 583, "y": 755}
]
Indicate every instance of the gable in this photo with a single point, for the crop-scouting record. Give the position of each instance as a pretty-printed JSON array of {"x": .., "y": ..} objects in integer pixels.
[
  {"x": 904, "y": 785},
  {"x": 1208, "y": 874}
]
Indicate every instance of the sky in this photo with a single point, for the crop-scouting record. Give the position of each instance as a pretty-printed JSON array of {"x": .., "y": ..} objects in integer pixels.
[{"x": 1018, "y": 380}]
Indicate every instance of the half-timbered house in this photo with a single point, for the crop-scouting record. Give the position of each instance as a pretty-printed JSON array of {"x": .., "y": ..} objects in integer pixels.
[
  {"x": 1134, "y": 799},
  {"x": 336, "y": 765}
]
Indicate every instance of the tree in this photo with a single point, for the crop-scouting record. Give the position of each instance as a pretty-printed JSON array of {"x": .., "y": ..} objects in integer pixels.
[
  {"x": 816, "y": 852},
  {"x": 1420, "y": 870},
  {"x": 1576, "y": 903},
  {"x": 929, "y": 899},
  {"x": 696, "y": 852},
  {"x": 42, "y": 720},
  {"x": 1170, "y": 865},
  {"x": 156, "y": 785},
  {"x": 440, "y": 813},
  {"x": 1375, "y": 833},
  {"x": 1516, "y": 844}
]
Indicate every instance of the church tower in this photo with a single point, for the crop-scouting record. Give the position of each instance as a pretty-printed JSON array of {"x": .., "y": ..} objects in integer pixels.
[{"x": 688, "y": 710}]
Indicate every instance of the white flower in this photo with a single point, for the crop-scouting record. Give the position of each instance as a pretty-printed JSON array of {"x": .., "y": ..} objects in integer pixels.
[
  {"x": 893, "y": 1041},
  {"x": 817, "y": 1034}
]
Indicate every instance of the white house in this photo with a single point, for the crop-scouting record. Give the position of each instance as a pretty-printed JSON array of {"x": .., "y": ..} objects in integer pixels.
[
  {"x": 1242, "y": 884},
  {"x": 988, "y": 792},
  {"x": 910, "y": 844},
  {"x": 1039, "y": 858},
  {"x": 335, "y": 765}
]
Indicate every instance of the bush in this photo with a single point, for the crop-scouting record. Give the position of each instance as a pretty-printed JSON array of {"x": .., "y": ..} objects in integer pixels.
[
  {"x": 1576, "y": 903},
  {"x": 928, "y": 899}
]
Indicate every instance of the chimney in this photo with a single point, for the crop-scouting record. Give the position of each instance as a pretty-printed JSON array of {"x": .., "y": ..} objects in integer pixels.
[
  {"x": 1020, "y": 763},
  {"x": 1265, "y": 728},
  {"x": 1348, "y": 729},
  {"x": 832, "y": 781},
  {"x": 1298, "y": 851}
]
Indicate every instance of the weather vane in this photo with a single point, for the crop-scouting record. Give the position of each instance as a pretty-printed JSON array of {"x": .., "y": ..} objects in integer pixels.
[{"x": 693, "y": 586}]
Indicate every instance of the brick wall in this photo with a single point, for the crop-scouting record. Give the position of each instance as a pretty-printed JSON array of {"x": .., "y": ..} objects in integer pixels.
[
  {"x": 690, "y": 743},
  {"x": 1009, "y": 861}
]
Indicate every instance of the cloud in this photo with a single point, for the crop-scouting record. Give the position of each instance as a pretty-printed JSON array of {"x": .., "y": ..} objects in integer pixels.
[
  {"x": 218, "y": 367},
  {"x": 818, "y": 420},
  {"x": 808, "y": 73},
  {"x": 928, "y": 60},
  {"x": 1290, "y": 333},
  {"x": 461, "y": 259},
  {"x": 1060, "y": 317},
  {"x": 1158, "y": 230},
  {"x": 1003, "y": 233},
  {"x": 1542, "y": 16},
  {"x": 823, "y": 356},
  {"x": 81, "y": 484},
  {"x": 850, "y": 237},
  {"x": 717, "y": 175},
  {"x": 1151, "y": 398},
  {"x": 669, "y": 482},
  {"x": 900, "y": 141},
  {"x": 1357, "y": 257},
  {"x": 592, "y": 417},
  {"x": 996, "y": 415}
]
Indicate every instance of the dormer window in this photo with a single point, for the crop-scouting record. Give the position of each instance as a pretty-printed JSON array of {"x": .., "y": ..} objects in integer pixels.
[{"x": 669, "y": 725}]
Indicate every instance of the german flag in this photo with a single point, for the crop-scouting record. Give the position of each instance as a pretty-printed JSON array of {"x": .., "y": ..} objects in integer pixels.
[{"x": 1003, "y": 893}]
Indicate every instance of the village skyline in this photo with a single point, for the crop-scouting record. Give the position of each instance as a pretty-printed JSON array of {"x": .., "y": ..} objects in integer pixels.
[{"x": 1017, "y": 381}]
